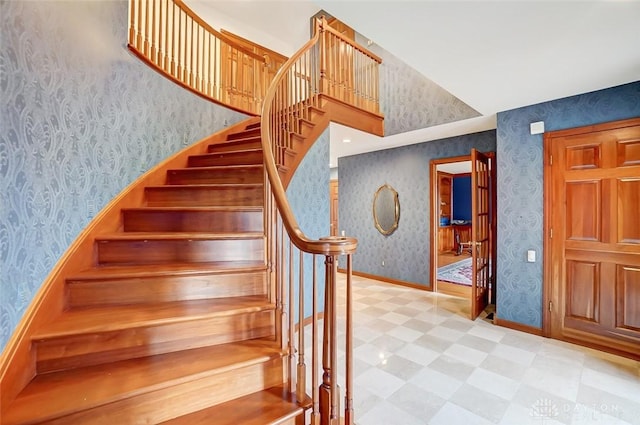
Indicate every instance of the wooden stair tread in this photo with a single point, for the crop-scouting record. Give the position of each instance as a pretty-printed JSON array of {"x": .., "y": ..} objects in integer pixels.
[
  {"x": 239, "y": 208},
  {"x": 230, "y": 152},
  {"x": 256, "y": 141},
  {"x": 150, "y": 270},
  {"x": 216, "y": 167},
  {"x": 119, "y": 317},
  {"x": 58, "y": 393},
  {"x": 266, "y": 407},
  {"x": 156, "y": 236},
  {"x": 208, "y": 186}
]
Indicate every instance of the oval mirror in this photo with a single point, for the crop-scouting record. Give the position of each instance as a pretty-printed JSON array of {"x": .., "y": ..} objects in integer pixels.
[{"x": 386, "y": 209}]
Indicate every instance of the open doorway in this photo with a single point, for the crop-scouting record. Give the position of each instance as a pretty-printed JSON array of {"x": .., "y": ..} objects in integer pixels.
[{"x": 463, "y": 206}]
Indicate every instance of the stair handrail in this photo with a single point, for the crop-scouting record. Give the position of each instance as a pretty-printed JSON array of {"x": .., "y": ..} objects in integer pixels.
[
  {"x": 323, "y": 246},
  {"x": 314, "y": 71}
]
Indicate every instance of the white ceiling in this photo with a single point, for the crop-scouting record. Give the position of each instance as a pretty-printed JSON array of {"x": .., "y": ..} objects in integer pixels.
[{"x": 492, "y": 55}]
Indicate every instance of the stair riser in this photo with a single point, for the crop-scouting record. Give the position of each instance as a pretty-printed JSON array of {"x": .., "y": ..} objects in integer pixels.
[
  {"x": 168, "y": 403},
  {"x": 205, "y": 196},
  {"x": 236, "y": 145},
  {"x": 216, "y": 176},
  {"x": 193, "y": 221},
  {"x": 98, "y": 348},
  {"x": 160, "y": 251},
  {"x": 154, "y": 289},
  {"x": 232, "y": 158},
  {"x": 251, "y": 132}
]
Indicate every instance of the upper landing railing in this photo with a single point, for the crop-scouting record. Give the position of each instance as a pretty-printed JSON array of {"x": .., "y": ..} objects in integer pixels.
[{"x": 173, "y": 39}]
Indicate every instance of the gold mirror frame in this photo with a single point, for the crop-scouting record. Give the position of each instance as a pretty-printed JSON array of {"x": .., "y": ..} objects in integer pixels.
[{"x": 385, "y": 203}]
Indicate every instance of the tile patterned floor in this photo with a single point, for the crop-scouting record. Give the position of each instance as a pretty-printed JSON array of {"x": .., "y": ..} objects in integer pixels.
[{"x": 418, "y": 359}]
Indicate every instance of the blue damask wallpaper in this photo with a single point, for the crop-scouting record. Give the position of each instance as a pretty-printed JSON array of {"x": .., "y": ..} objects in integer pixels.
[
  {"x": 308, "y": 195},
  {"x": 80, "y": 119},
  {"x": 406, "y": 251},
  {"x": 409, "y": 100},
  {"x": 520, "y": 189}
]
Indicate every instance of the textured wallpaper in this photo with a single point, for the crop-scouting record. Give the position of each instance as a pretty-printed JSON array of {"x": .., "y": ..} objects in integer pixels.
[
  {"x": 406, "y": 251},
  {"x": 520, "y": 189},
  {"x": 410, "y": 101},
  {"x": 308, "y": 194},
  {"x": 80, "y": 119}
]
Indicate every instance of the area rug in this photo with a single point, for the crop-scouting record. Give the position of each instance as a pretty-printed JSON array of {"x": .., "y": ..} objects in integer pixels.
[{"x": 459, "y": 272}]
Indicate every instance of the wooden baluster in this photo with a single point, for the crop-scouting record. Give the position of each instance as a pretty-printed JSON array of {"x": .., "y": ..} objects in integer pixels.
[
  {"x": 161, "y": 47},
  {"x": 173, "y": 39},
  {"x": 301, "y": 377},
  {"x": 192, "y": 55},
  {"x": 139, "y": 44},
  {"x": 215, "y": 74},
  {"x": 132, "y": 25},
  {"x": 167, "y": 30},
  {"x": 145, "y": 48},
  {"x": 315, "y": 411},
  {"x": 280, "y": 286},
  {"x": 323, "y": 57},
  {"x": 198, "y": 74},
  {"x": 329, "y": 393},
  {"x": 154, "y": 53},
  {"x": 348, "y": 408},
  {"x": 206, "y": 64},
  {"x": 178, "y": 74},
  {"x": 291, "y": 338}
]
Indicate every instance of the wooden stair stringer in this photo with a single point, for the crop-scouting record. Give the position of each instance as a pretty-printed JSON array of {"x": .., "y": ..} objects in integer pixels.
[{"x": 330, "y": 110}]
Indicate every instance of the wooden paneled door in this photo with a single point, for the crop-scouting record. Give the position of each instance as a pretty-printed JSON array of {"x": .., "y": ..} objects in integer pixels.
[
  {"x": 480, "y": 231},
  {"x": 333, "y": 199},
  {"x": 592, "y": 225}
]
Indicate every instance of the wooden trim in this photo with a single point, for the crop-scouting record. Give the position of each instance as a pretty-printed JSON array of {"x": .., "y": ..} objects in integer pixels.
[
  {"x": 344, "y": 113},
  {"x": 547, "y": 181},
  {"x": 390, "y": 280},
  {"x": 602, "y": 344},
  {"x": 17, "y": 362},
  {"x": 610, "y": 125},
  {"x": 517, "y": 326},
  {"x": 461, "y": 158}
]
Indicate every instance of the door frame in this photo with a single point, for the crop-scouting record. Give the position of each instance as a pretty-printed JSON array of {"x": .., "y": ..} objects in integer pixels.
[{"x": 434, "y": 224}]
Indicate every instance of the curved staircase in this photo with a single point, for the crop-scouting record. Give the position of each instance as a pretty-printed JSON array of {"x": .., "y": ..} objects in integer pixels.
[
  {"x": 178, "y": 303},
  {"x": 175, "y": 322}
]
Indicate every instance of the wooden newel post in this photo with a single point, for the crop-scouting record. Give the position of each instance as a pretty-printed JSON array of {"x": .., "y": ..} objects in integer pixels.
[{"x": 329, "y": 391}]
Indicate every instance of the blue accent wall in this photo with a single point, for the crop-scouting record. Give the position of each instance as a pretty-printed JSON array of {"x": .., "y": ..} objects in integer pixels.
[
  {"x": 406, "y": 251},
  {"x": 462, "y": 198},
  {"x": 520, "y": 189},
  {"x": 80, "y": 119},
  {"x": 308, "y": 195}
]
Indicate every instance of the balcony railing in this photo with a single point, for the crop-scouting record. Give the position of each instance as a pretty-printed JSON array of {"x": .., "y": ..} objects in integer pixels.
[{"x": 173, "y": 39}]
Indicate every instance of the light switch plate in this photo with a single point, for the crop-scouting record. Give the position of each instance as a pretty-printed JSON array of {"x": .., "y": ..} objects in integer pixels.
[
  {"x": 537, "y": 127},
  {"x": 531, "y": 256}
]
